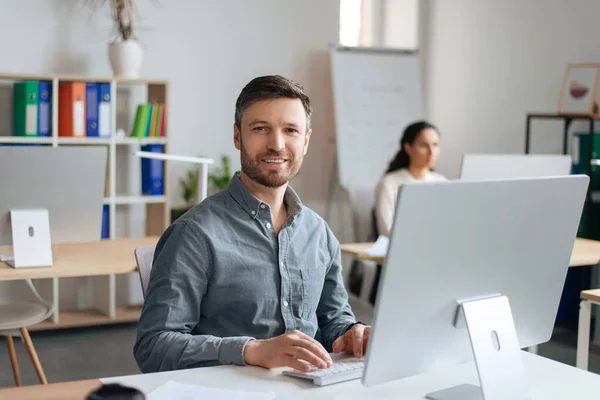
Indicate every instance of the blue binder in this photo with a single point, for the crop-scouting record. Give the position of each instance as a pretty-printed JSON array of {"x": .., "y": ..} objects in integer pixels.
[
  {"x": 45, "y": 108},
  {"x": 91, "y": 109},
  {"x": 104, "y": 110},
  {"x": 153, "y": 172},
  {"x": 105, "y": 222}
]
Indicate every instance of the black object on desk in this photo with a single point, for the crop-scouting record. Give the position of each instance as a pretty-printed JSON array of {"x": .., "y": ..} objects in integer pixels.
[{"x": 115, "y": 391}]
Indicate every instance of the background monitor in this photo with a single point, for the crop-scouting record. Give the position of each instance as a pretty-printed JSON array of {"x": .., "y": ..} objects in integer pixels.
[
  {"x": 499, "y": 166},
  {"x": 67, "y": 181}
]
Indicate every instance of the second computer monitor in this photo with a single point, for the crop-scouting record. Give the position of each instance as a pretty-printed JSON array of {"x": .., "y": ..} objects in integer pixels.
[
  {"x": 66, "y": 181},
  {"x": 504, "y": 166},
  {"x": 461, "y": 240}
]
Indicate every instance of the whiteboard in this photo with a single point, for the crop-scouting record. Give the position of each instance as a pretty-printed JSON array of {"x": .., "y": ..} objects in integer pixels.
[{"x": 376, "y": 93}]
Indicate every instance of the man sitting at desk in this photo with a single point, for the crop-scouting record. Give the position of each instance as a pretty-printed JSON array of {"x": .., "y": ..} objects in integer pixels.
[{"x": 250, "y": 275}]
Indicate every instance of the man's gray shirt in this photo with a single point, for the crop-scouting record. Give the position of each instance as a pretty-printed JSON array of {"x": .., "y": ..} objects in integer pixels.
[{"x": 222, "y": 276}]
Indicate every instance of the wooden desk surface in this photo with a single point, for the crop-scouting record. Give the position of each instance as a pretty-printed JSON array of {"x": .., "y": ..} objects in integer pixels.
[
  {"x": 358, "y": 250},
  {"x": 585, "y": 252},
  {"x": 82, "y": 259},
  {"x": 77, "y": 390}
]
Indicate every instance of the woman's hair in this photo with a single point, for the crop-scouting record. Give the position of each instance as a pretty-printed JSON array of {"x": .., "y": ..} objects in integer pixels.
[{"x": 410, "y": 134}]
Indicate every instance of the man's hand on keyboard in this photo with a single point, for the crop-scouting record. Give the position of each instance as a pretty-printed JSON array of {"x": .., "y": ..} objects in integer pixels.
[
  {"x": 354, "y": 341},
  {"x": 287, "y": 350}
]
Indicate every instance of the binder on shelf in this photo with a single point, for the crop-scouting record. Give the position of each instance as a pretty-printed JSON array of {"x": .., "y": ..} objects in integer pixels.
[
  {"x": 149, "y": 119},
  {"x": 581, "y": 157},
  {"x": 153, "y": 171},
  {"x": 25, "y": 108},
  {"x": 158, "y": 123},
  {"x": 91, "y": 109},
  {"x": 104, "y": 110},
  {"x": 153, "y": 118},
  {"x": 162, "y": 120},
  {"x": 105, "y": 222},
  {"x": 141, "y": 121},
  {"x": 71, "y": 109},
  {"x": 44, "y": 108}
]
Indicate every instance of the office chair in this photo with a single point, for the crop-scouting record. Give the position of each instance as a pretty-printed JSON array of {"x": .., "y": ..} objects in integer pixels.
[
  {"x": 144, "y": 257},
  {"x": 364, "y": 274},
  {"x": 21, "y": 306}
]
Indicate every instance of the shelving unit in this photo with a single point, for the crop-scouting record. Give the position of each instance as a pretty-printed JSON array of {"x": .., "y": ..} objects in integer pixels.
[
  {"x": 157, "y": 210},
  {"x": 122, "y": 200},
  {"x": 90, "y": 317},
  {"x": 82, "y": 141},
  {"x": 587, "y": 277},
  {"x": 567, "y": 119}
]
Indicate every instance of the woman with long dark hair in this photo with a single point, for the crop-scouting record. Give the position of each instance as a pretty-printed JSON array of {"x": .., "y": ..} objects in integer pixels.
[{"x": 415, "y": 161}]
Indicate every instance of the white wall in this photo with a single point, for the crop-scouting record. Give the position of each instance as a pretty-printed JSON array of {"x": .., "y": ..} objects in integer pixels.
[
  {"x": 490, "y": 62},
  {"x": 208, "y": 50},
  {"x": 400, "y": 24}
]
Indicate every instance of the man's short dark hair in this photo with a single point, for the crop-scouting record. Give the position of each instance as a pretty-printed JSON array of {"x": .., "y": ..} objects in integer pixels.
[{"x": 270, "y": 87}]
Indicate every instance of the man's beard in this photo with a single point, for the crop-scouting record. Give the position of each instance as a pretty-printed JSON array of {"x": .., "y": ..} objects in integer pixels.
[{"x": 273, "y": 178}]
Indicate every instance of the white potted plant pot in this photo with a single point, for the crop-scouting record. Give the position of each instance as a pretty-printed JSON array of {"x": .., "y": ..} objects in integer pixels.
[{"x": 126, "y": 58}]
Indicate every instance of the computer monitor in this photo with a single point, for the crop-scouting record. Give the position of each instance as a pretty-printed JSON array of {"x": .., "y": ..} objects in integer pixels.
[
  {"x": 67, "y": 181},
  {"x": 501, "y": 166},
  {"x": 468, "y": 240}
]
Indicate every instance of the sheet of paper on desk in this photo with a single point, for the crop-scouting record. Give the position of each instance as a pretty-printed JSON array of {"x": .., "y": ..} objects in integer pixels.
[
  {"x": 379, "y": 248},
  {"x": 182, "y": 391}
]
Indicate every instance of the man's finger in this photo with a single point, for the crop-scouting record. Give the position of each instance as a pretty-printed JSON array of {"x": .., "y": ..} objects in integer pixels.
[
  {"x": 314, "y": 347},
  {"x": 319, "y": 350},
  {"x": 306, "y": 355},
  {"x": 338, "y": 345},
  {"x": 304, "y": 336},
  {"x": 292, "y": 362},
  {"x": 366, "y": 339},
  {"x": 357, "y": 341}
]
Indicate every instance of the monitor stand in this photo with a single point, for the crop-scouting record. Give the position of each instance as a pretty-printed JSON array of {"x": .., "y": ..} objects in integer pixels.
[
  {"x": 495, "y": 350},
  {"x": 31, "y": 238}
]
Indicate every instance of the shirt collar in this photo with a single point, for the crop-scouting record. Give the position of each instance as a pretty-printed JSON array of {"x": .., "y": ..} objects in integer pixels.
[{"x": 252, "y": 205}]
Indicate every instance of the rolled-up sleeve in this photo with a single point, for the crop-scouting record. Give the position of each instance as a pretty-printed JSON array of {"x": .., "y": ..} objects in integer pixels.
[
  {"x": 172, "y": 308},
  {"x": 334, "y": 313}
]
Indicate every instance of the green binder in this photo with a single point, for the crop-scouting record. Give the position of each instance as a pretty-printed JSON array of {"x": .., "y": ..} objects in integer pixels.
[
  {"x": 589, "y": 226},
  {"x": 158, "y": 120},
  {"x": 25, "y": 108},
  {"x": 582, "y": 143},
  {"x": 141, "y": 121}
]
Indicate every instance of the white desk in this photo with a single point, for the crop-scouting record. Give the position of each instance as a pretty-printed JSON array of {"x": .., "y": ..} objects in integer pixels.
[{"x": 548, "y": 380}]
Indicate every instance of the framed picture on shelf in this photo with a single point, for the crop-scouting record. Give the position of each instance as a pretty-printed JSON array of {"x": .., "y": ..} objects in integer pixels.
[{"x": 579, "y": 93}]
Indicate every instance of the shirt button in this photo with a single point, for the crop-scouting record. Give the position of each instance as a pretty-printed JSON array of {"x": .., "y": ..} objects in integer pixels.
[
  {"x": 263, "y": 206},
  {"x": 285, "y": 303},
  {"x": 252, "y": 212},
  {"x": 268, "y": 225}
]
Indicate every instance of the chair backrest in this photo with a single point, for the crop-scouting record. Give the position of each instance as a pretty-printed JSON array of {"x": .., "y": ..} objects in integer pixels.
[
  {"x": 144, "y": 257},
  {"x": 22, "y": 291},
  {"x": 374, "y": 229},
  {"x": 18, "y": 291}
]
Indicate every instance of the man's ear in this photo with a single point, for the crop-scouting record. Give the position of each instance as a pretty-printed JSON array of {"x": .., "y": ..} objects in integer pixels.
[
  {"x": 237, "y": 137},
  {"x": 307, "y": 140}
]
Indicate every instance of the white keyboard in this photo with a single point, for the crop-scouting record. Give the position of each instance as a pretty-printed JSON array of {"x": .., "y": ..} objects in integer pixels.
[{"x": 342, "y": 370}]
